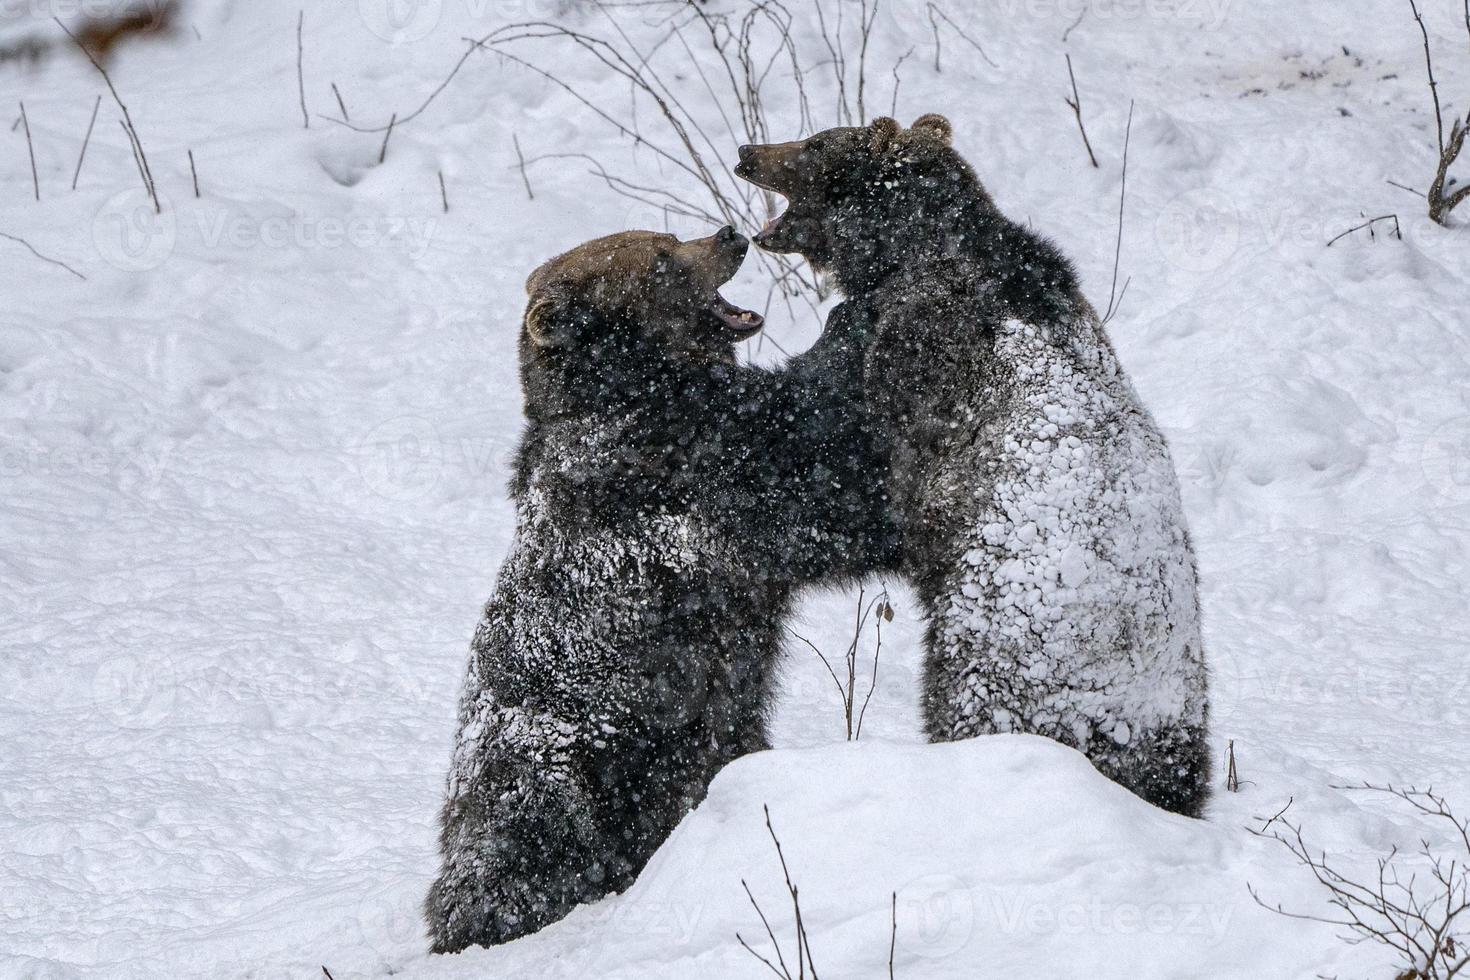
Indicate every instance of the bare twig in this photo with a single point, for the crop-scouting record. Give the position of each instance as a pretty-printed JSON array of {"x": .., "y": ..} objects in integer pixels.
[
  {"x": 137, "y": 161},
  {"x": 1440, "y": 206},
  {"x": 443, "y": 194},
  {"x": 897, "y": 80},
  {"x": 1115, "y": 298},
  {"x": 935, "y": 11},
  {"x": 521, "y": 160},
  {"x": 405, "y": 118},
  {"x": 769, "y": 933},
  {"x": 883, "y": 612},
  {"x": 300, "y": 73},
  {"x": 38, "y": 255},
  {"x": 1429, "y": 68},
  {"x": 1076, "y": 103},
  {"x": 1068, "y": 32},
  {"x": 387, "y": 134},
  {"x": 31, "y": 149},
  {"x": 127, "y": 120},
  {"x": 340, "y": 104},
  {"x": 865, "y": 30},
  {"x": 193, "y": 172},
  {"x": 1369, "y": 225},
  {"x": 1232, "y": 778},
  {"x": 804, "y": 948},
  {"x": 1419, "y": 918},
  {"x": 880, "y": 610},
  {"x": 893, "y": 933},
  {"x": 328, "y": 973},
  {"x": 1404, "y": 187},
  {"x": 86, "y": 140}
]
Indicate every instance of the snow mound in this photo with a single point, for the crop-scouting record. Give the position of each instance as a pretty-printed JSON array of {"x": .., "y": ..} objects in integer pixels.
[{"x": 1004, "y": 852}]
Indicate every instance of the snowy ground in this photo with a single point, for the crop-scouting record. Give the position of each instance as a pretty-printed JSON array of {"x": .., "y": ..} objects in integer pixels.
[{"x": 253, "y": 476}]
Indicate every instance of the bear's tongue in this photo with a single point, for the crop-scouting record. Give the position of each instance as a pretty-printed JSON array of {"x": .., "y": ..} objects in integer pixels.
[{"x": 741, "y": 323}]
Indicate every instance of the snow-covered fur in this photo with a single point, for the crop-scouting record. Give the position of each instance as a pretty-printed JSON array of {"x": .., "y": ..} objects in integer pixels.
[
  {"x": 668, "y": 502},
  {"x": 1038, "y": 504}
]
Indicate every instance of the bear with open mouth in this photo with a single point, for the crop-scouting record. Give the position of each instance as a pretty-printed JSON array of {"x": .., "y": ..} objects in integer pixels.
[
  {"x": 669, "y": 501},
  {"x": 1037, "y": 502}
]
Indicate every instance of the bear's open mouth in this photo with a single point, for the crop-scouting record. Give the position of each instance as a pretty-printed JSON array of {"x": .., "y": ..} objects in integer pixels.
[
  {"x": 738, "y": 322},
  {"x": 769, "y": 229}
]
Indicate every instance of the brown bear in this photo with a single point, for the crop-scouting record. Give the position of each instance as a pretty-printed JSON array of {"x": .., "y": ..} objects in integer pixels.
[
  {"x": 1037, "y": 502},
  {"x": 668, "y": 502}
]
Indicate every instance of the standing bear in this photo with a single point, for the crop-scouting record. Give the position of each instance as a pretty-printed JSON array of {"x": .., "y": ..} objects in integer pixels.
[
  {"x": 1036, "y": 499},
  {"x": 668, "y": 504}
]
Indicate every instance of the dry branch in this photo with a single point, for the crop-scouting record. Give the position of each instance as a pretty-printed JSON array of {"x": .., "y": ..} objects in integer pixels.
[
  {"x": 1115, "y": 298},
  {"x": 387, "y": 134},
  {"x": 86, "y": 140},
  {"x": 300, "y": 74},
  {"x": 31, "y": 248},
  {"x": 1440, "y": 206},
  {"x": 1076, "y": 103},
  {"x": 31, "y": 149},
  {"x": 340, "y": 104},
  {"x": 127, "y": 120},
  {"x": 1421, "y": 917},
  {"x": 1369, "y": 225},
  {"x": 880, "y": 610},
  {"x": 521, "y": 161},
  {"x": 193, "y": 173}
]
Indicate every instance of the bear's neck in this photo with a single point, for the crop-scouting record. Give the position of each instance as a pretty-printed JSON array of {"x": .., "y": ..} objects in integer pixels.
[
  {"x": 1024, "y": 271},
  {"x": 608, "y": 380}
]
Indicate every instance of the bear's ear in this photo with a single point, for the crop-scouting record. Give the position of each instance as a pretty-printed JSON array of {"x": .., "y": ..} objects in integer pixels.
[
  {"x": 548, "y": 319},
  {"x": 882, "y": 132},
  {"x": 934, "y": 125}
]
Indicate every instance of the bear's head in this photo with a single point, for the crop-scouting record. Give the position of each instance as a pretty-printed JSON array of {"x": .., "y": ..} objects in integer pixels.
[
  {"x": 864, "y": 200},
  {"x": 628, "y": 318},
  {"x": 639, "y": 292}
]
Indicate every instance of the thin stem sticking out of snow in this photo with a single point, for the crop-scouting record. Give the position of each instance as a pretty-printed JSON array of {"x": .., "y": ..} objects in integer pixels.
[
  {"x": 1115, "y": 298},
  {"x": 1075, "y": 102},
  {"x": 300, "y": 72},
  {"x": 127, "y": 119},
  {"x": 38, "y": 255},
  {"x": 86, "y": 140}
]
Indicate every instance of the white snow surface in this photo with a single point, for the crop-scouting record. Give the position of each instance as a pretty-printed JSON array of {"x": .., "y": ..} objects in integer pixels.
[{"x": 253, "y": 496}]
